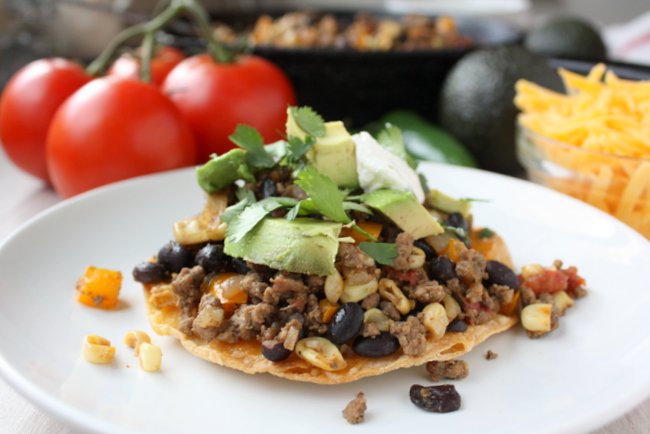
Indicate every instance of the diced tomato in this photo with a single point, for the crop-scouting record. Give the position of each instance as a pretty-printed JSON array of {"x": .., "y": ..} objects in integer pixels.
[{"x": 548, "y": 280}]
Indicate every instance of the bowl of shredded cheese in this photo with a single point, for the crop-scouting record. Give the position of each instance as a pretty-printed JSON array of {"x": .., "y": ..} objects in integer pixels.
[{"x": 593, "y": 142}]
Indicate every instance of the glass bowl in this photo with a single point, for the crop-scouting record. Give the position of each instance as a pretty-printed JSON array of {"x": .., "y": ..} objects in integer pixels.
[{"x": 616, "y": 184}]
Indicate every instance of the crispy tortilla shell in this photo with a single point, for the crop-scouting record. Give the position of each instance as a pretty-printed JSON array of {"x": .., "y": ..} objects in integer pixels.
[{"x": 246, "y": 356}]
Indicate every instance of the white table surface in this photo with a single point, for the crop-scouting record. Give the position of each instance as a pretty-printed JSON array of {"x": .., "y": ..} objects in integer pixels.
[{"x": 22, "y": 197}]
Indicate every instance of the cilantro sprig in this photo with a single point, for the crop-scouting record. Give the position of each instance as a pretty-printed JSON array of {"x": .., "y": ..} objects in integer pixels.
[
  {"x": 324, "y": 194},
  {"x": 383, "y": 253},
  {"x": 392, "y": 140},
  {"x": 308, "y": 120},
  {"x": 249, "y": 215},
  {"x": 249, "y": 138}
]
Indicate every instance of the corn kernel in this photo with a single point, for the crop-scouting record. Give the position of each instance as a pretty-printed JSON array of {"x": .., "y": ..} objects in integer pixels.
[
  {"x": 531, "y": 270},
  {"x": 321, "y": 353},
  {"x": 388, "y": 290},
  {"x": 562, "y": 301},
  {"x": 434, "y": 318},
  {"x": 333, "y": 287},
  {"x": 150, "y": 357},
  {"x": 416, "y": 258},
  {"x": 354, "y": 293},
  {"x": 98, "y": 350},
  {"x": 376, "y": 316},
  {"x": 536, "y": 317},
  {"x": 452, "y": 308},
  {"x": 135, "y": 338}
]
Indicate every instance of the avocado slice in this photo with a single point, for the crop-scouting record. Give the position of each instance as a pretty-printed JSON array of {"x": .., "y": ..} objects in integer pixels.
[
  {"x": 403, "y": 208},
  {"x": 439, "y": 200},
  {"x": 223, "y": 170},
  {"x": 332, "y": 154},
  {"x": 302, "y": 245}
]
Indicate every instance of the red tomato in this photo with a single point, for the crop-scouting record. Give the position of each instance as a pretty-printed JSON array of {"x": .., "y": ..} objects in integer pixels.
[
  {"x": 214, "y": 98},
  {"x": 166, "y": 58},
  {"x": 112, "y": 129},
  {"x": 28, "y": 104}
]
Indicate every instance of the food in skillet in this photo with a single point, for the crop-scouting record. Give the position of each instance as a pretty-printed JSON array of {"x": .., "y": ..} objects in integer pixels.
[
  {"x": 364, "y": 33},
  {"x": 322, "y": 259}
]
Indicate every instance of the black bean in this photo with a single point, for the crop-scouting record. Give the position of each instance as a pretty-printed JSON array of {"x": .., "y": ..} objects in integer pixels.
[
  {"x": 274, "y": 351},
  {"x": 174, "y": 256},
  {"x": 238, "y": 266},
  {"x": 457, "y": 220},
  {"x": 426, "y": 247},
  {"x": 268, "y": 188},
  {"x": 346, "y": 323},
  {"x": 210, "y": 257},
  {"x": 376, "y": 346},
  {"x": 441, "y": 269},
  {"x": 436, "y": 399},
  {"x": 457, "y": 326},
  {"x": 150, "y": 272},
  {"x": 501, "y": 274}
]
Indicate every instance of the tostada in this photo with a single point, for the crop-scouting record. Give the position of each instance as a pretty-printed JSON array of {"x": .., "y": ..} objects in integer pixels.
[{"x": 323, "y": 258}]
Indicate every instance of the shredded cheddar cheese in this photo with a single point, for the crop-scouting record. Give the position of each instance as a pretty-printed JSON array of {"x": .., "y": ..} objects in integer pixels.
[{"x": 603, "y": 124}]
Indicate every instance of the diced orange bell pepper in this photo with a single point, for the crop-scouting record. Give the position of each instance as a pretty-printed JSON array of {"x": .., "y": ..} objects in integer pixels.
[
  {"x": 227, "y": 288},
  {"x": 99, "y": 288},
  {"x": 454, "y": 249},
  {"x": 508, "y": 309},
  {"x": 373, "y": 228},
  {"x": 328, "y": 309}
]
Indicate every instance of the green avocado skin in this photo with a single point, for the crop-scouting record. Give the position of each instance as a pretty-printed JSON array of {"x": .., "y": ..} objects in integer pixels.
[
  {"x": 567, "y": 37},
  {"x": 223, "y": 170},
  {"x": 302, "y": 245},
  {"x": 427, "y": 142}
]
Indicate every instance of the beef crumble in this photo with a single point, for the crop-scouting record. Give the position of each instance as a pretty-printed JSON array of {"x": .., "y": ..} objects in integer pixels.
[
  {"x": 450, "y": 370},
  {"x": 355, "y": 411}
]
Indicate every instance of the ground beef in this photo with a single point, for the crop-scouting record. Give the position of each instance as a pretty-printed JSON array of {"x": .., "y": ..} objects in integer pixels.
[
  {"x": 428, "y": 292},
  {"x": 404, "y": 244},
  {"x": 209, "y": 319},
  {"x": 502, "y": 293},
  {"x": 290, "y": 334},
  {"x": 315, "y": 284},
  {"x": 314, "y": 316},
  {"x": 491, "y": 355},
  {"x": 287, "y": 289},
  {"x": 475, "y": 314},
  {"x": 411, "y": 335},
  {"x": 187, "y": 286},
  {"x": 370, "y": 329},
  {"x": 247, "y": 322},
  {"x": 390, "y": 310},
  {"x": 490, "y": 303},
  {"x": 356, "y": 409},
  {"x": 351, "y": 257},
  {"x": 471, "y": 267},
  {"x": 252, "y": 285},
  {"x": 450, "y": 370},
  {"x": 371, "y": 301}
]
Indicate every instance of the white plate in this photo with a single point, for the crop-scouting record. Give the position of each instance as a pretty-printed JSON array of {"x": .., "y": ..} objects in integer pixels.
[{"x": 590, "y": 371}]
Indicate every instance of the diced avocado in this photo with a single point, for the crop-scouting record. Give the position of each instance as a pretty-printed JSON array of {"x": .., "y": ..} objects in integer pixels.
[
  {"x": 404, "y": 209},
  {"x": 333, "y": 154},
  {"x": 302, "y": 245},
  {"x": 448, "y": 204},
  {"x": 223, "y": 170}
]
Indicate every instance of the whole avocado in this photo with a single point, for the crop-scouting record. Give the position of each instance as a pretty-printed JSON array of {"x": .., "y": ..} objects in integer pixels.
[
  {"x": 566, "y": 37},
  {"x": 476, "y": 102}
]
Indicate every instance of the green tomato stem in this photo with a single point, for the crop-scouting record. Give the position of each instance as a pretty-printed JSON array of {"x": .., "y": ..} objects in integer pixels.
[
  {"x": 98, "y": 66},
  {"x": 148, "y": 47},
  {"x": 218, "y": 52}
]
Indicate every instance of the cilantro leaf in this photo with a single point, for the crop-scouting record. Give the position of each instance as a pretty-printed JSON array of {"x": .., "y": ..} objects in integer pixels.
[
  {"x": 383, "y": 253},
  {"x": 391, "y": 139},
  {"x": 486, "y": 233},
  {"x": 233, "y": 211},
  {"x": 324, "y": 194},
  {"x": 253, "y": 214},
  {"x": 249, "y": 138},
  {"x": 293, "y": 212},
  {"x": 473, "y": 199},
  {"x": 297, "y": 148},
  {"x": 356, "y": 207},
  {"x": 309, "y": 121},
  {"x": 244, "y": 193}
]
